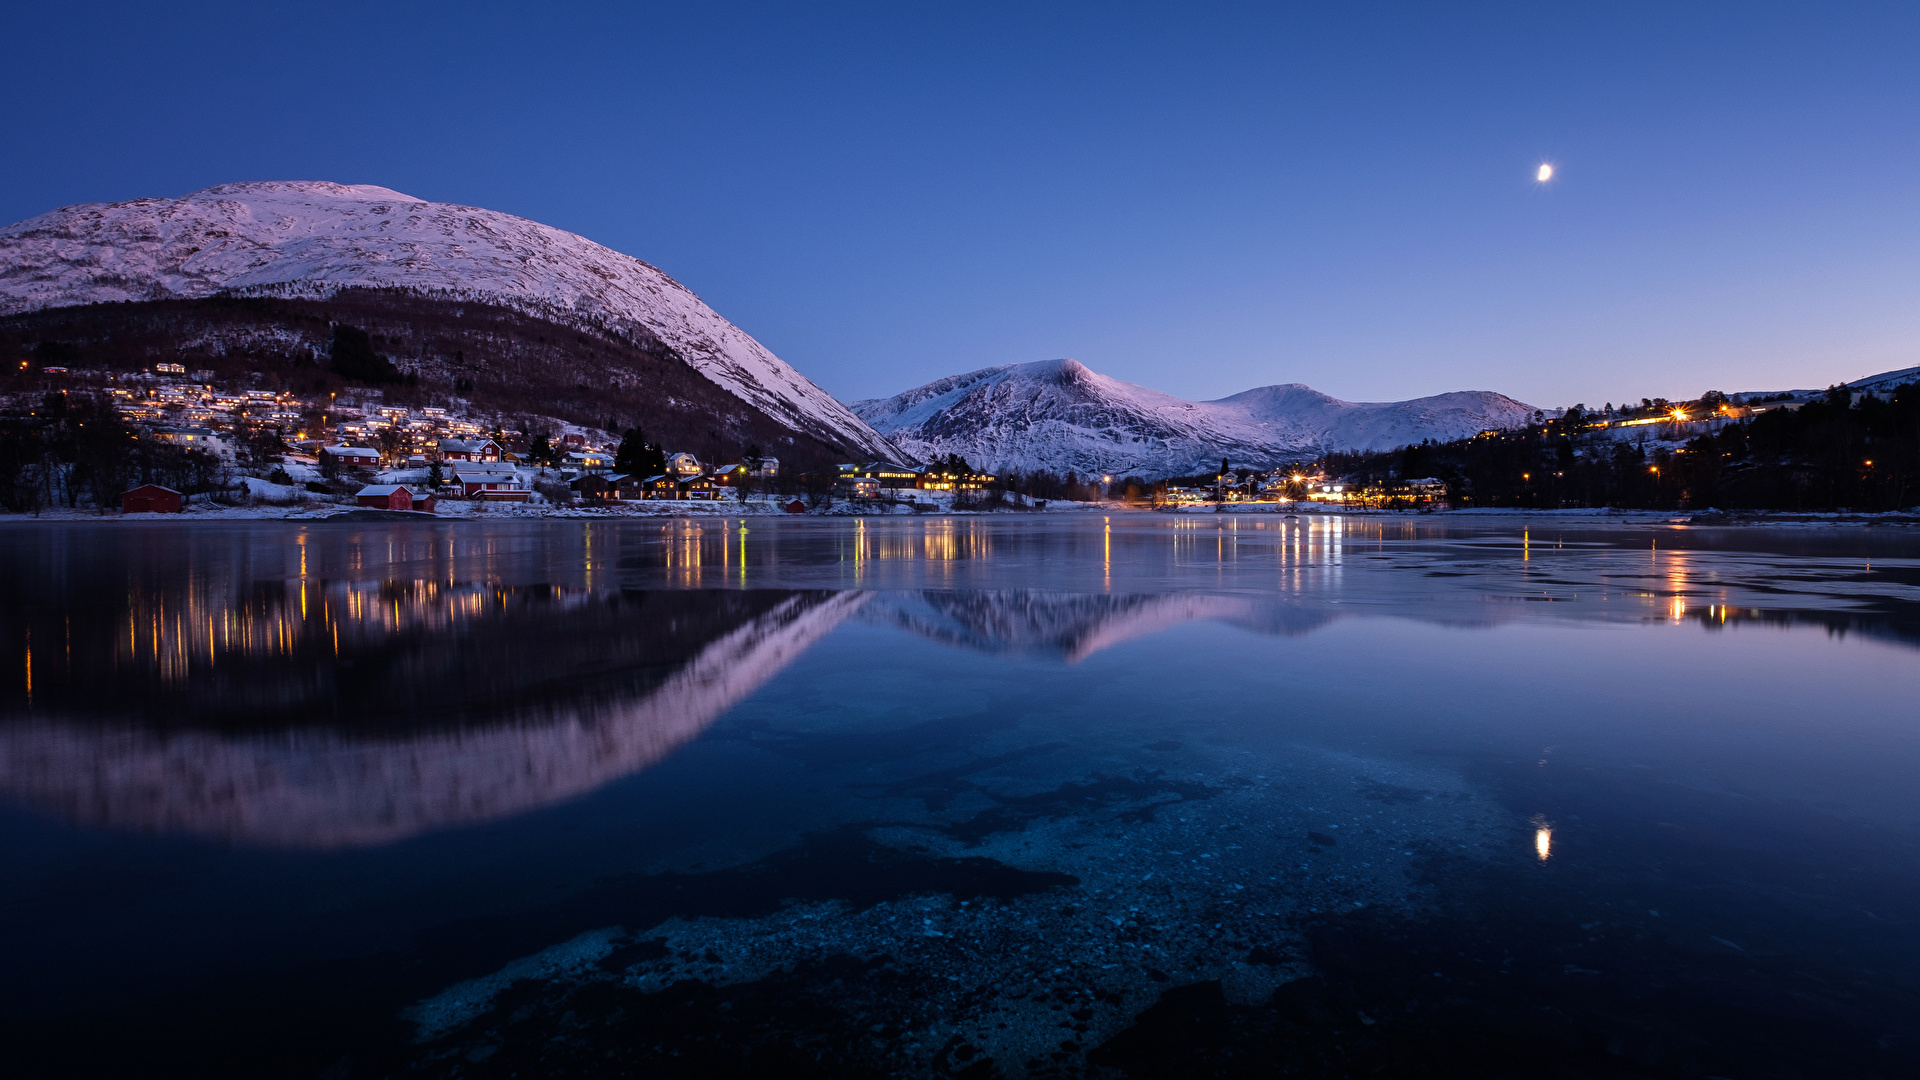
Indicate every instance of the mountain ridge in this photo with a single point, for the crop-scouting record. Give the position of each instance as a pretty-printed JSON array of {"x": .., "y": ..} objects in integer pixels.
[{"x": 1060, "y": 414}]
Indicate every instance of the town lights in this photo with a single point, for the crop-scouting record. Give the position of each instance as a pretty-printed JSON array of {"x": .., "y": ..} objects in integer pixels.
[{"x": 1679, "y": 414}]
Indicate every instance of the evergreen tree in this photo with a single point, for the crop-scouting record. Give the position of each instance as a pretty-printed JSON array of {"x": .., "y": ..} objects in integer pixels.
[
  {"x": 637, "y": 456},
  {"x": 353, "y": 358}
]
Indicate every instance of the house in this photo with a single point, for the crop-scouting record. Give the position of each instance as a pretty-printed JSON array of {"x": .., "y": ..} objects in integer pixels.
[
  {"x": 597, "y": 488},
  {"x": 384, "y": 497},
  {"x": 698, "y": 487},
  {"x": 573, "y": 439},
  {"x": 355, "y": 457},
  {"x": 151, "y": 499},
  {"x": 684, "y": 465},
  {"x": 796, "y": 507},
  {"x": 1430, "y": 491},
  {"x": 947, "y": 480},
  {"x": 858, "y": 487},
  {"x": 768, "y": 467},
  {"x": 669, "y": 486},
  {"x": 469, "y": 450},
  {"x": 730, "y": 475},
  {"x": 589, "y": 460},
  {"x": 170, "y": 369},
  {"x": 193, "y": 438},
  {"x": 884, "y": 473},
  {"x": 496, "y": 484}
]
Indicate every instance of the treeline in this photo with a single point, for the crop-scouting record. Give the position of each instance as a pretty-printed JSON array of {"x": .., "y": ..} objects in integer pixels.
[
  {"x": 1043, "y": 484},
  {"x": 73, "y": 450},
  {"x": 1836, "y": 453}
]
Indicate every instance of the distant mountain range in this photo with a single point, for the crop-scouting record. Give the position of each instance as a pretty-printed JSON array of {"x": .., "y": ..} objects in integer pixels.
[
  {"x": 559, "y": 317},
  {"x": 1883, "y": 383},
  {"x": 1060, "y": 415}
]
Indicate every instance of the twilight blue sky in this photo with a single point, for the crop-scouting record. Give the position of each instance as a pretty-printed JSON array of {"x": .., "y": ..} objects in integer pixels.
[{"x": 1200, "y": 198}]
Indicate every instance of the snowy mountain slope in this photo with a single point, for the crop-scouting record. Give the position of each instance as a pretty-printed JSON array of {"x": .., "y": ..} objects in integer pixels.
[
  {"x": 1887, "y": 381},
  {"x": 1060, "y": 415},
  {"x": 312, "y": 239},
  {"x": 1884, "y": 383}
]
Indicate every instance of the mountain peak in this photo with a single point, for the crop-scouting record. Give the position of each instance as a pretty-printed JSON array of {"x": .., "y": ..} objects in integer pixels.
[
  {"x": 314, "y": 188},
  {"x": 1060, "y": 415}
]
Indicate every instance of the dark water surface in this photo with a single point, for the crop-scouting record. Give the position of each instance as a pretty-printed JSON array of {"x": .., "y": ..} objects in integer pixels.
[{"x": 1066, "y": 796}]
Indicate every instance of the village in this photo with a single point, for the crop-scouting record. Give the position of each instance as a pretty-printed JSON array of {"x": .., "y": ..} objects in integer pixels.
[{"x": 353, "y": 447}]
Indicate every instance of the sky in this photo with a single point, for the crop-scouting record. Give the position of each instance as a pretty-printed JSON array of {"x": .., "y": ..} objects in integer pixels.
[{"x": 1198, "y": 198}]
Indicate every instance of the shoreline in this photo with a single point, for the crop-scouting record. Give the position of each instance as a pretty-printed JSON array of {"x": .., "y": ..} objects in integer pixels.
[{"x": 522, "y": 512}]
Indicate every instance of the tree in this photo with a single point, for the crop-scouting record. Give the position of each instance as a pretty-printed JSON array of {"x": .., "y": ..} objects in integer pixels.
[
  {"x": 637, "y": 456},
  {"x": 353, "y": 358},
  {"x": 541, "y": 450},
  {"x": 435, "y": 475},
  {"x": 261, "y": 447}
]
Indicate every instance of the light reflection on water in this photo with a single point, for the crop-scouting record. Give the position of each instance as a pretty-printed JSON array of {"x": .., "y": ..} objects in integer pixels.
[{"x": 1354, "y": 696}]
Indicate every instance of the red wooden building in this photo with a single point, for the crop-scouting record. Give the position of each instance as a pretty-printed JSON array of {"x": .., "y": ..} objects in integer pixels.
[
  {"x": 385, "y": 497},
  {"x": 151, "y": 499}
]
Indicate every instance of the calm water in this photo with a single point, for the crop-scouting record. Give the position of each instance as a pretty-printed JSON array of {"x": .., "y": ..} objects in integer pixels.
[{"x": 1151, "y": 796}]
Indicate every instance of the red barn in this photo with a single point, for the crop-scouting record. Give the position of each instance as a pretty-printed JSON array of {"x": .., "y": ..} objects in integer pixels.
[
  {"x": 151, "y": 499},
  {"x": 796, "y": 507},
  {"x": 384, "y": 497}
]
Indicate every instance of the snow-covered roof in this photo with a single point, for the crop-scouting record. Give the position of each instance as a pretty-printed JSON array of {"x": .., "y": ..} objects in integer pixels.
[{"x": 383, "y": 489}]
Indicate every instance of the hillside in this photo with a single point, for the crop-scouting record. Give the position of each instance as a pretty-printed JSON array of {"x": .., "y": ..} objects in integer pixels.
[
  {"x": 1060, "y": 415},
  {"x": 316, "y": 242}
]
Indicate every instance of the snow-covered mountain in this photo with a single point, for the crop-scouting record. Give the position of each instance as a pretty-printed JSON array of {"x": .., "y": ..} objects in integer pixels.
[
  {"x": 1884, "y": 383},
  {"x": 311, "y": 239},
  {"x": 1060, "y": 415}
]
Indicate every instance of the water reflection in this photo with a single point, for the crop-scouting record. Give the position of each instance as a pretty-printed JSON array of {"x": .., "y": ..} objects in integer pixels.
[
  {"x": 322, "y": 689},
  {"x": 334, "y": 714}
]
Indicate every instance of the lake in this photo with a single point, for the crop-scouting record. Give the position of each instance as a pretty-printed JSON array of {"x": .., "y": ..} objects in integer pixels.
[{"x": 1055, "y": 795}]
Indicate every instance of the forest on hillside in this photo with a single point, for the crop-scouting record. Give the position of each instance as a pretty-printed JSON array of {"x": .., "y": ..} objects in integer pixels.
[{"x": 1839, "y": 452}]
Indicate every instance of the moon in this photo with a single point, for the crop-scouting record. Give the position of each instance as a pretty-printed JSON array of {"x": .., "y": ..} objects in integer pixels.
[{"x": 1544, "y": 174}]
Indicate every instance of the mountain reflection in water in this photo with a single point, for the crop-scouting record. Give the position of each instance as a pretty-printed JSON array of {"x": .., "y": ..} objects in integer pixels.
[
  {"x": 339, "y": 689},
  {"x": 1045, "y": 795},
  {"x": 328, "y": 714},
  {"x": 323, "y": 714}
]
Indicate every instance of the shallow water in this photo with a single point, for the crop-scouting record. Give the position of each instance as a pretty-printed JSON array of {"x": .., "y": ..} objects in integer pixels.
[{"x": 1025, "y": 797}]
